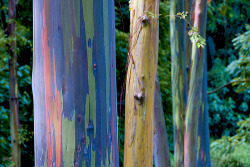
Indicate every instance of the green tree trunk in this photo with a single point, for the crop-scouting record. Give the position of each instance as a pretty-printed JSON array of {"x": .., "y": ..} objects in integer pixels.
[
  {"x": 74, "y": 83},
  {"x": 14, "y": 102},
  {"x": 191, "y": 140},
  {"x": 160, "y": 146},
  {"x": 140, "y": 83},
  {"x": 179, "y": 78}
]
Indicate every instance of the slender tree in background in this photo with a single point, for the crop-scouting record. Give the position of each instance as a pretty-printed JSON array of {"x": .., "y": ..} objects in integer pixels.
[
  {"x": 179, "y": 78},
  {"x": 74, "y": 83},
  {"x": 14, "y": 104},
  {"x": 160, "y": 146},
  {"x": 191, "y": 139},
  {"x": 140, "y": 83}
]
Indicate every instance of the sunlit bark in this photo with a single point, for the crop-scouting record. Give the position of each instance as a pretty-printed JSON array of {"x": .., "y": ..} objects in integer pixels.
[{"x": 140, "y": 83}]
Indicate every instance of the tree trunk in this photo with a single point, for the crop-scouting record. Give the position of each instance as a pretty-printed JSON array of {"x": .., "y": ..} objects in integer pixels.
[
  {"x": 140, "y": 83},
  {"x": 74, "y": 83},
  {"x": 179, "y": 78},
  {"x": 160, "y": 146},
  {"x": 14, "y": 102},
  {"x": 195, "y": 92},
  {"x": 203, "y": 124}
]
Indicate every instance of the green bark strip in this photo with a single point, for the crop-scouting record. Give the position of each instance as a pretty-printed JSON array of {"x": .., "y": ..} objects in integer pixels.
[
  {"x": 73, "y": 82},
  {"x": 160, "y": 146},
  {"x": 195, "y": 91},
  {"x": 179, "y": 77}
]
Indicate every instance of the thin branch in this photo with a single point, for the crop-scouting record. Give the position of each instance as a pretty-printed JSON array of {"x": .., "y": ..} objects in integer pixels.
[{"x": 229, "y": 83}]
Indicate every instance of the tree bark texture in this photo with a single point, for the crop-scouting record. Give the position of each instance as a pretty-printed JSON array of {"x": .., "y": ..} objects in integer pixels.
[
  {"x": 14, "y": 102},
  {"x": 195, "y": 94},
  {"x": 140, "y": 83},
  {"x": 179, "y": 78},
  {"x": 160, "y": 146},
  {"x": 74, "y": 83},
  {"x": 189, "y": 7},
  {"x": 203, "y": 124}
]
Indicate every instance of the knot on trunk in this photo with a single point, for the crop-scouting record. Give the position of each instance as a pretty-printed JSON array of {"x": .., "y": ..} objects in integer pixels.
[
  {"x": 140, "y": 97},
  {"x": 144, "y": 19}
]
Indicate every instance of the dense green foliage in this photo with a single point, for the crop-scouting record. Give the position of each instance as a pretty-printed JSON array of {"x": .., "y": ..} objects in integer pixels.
[
  {"x": 226, "y": 19},
  {"x": 228, "y": 50}
]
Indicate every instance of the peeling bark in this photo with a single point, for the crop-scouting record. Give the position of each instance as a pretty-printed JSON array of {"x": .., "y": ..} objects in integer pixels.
[{"x": 73, "y": 82}]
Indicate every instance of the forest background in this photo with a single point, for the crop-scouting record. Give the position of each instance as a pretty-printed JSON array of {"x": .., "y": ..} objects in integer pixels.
[{"x": 228, "y": 59}]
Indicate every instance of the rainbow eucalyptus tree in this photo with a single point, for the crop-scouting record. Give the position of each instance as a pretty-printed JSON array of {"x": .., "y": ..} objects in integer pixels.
[
  {"x": 140, "y": 83},
  {"x": 179, "y": 77},
  {"x": 13, "y": 100},
  {"x": 191, "y": 133},
  {"x": 195, "y": 144},
  {"x": 74, "y": 83}
]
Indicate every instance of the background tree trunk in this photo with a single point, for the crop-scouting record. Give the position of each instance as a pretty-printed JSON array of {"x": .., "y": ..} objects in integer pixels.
[
  {"x": 14, "y": 104},
  {"x": 74, "y": 83},
  {"x": 179, "y": 78},
  {"x": 140, "y": 83},
  {"x": 195, "y": 92},
  {"x": 160, "y": 146}
]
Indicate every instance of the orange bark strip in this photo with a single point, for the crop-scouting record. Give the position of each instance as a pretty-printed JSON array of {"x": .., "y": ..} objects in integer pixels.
[
  {"x": 48, "y": 86},
  {"x": 53, "y": 104}
]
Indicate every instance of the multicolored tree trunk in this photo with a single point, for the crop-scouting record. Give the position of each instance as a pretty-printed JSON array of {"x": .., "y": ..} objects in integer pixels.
[
  {"x": 203, "y": 124},
  {"x": 179, "y": 78},
  {"x": 14, "y": 102},
  {"x": 74, "y": 83},
  {"x": 160, "y": 146},
  {"x": 140, "y": 83},
  {"x": 191, "y": 140}
]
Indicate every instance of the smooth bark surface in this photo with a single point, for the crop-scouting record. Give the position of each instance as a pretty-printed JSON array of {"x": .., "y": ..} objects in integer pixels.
[
  {"x": 179, "y": 78},
  {"x": 140, "y": 83},
  {"x": 160, "y": 146},
  {"x": 189, "y": 7},
  {"x": 195, "y": 92},
  {"x": 74, "y": 85},
  {"x": 13, "y": 100},
  {"x": 203, "y": 124}
]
